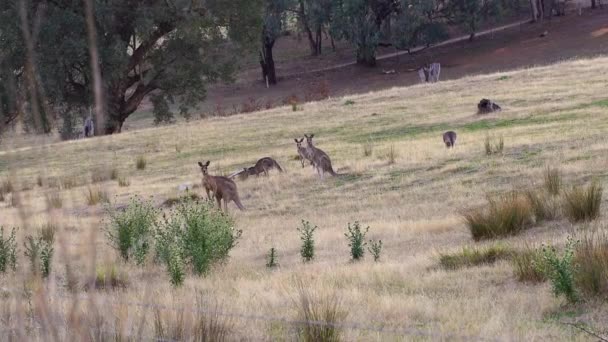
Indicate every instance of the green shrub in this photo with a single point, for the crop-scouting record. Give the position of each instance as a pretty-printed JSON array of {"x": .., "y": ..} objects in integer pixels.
[
  {"x": 271, "y": 258},
  {"x": 356, "y": 240},
  {"x": 529, "y": 265},
  {"x": 39, "y": 250},
  {"x": 196, "y": 234},
  {"x": 474, "y": 257},
  {"x": 130, "y": 231},
  {"x": 553, "y": 181},
  {"x": 506, "y": 215},
  {"x": 307, "y": 250},
  {"x": 312, "y": 309},
  {"x": 591, "y": 260},
  {"x": 349, "y": 102},
  {"x": 544, "y": 208},
  {"x": 8, "y": 250},
  {"x": 583, "y": 204},
  {"x": 141, "y": 162},
  {"x": 561, "y": 270},
  {"x": 375, "y": 249},
  {"x": 95, "y": 196}
]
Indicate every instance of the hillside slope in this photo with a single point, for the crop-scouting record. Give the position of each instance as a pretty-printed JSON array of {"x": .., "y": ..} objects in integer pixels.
[{"x": 555, "y": 115}]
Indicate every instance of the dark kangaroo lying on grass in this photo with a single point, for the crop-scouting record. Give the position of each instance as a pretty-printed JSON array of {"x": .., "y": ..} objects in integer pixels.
[
  {"x": 303, "y": 152},
  {"x": 261, "y": 166},
  {"x": 221, "y": 187},
  {"x": 320, "y": 159},
  {"x": 449, "y": 138}
]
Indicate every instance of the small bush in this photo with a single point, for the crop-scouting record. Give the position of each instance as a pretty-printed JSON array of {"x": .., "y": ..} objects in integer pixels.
[
  {"x": 123, "y": 182},
  {"x": 54, "y": 200},
  {"x": 504, "y": 216},
  {"x": 109, "y": 277},
  {"x": 544, "y": 208},
  {"x": 368, "y": 149},
  {"x": 591, "y": 260},
  {"x": 561, "y": 270},
  {"x": 39, "y": 250},
  {"x": 195, "y": 234},
  {"x": 529, "y": 265},
  {"x": 312, "y": 310},
  {"x": 307, "y": 250},
  {"x": 356, "y": 240},
  {"x": 141, "y": 162},
  {"x": 474, "y": 257},
  {"x": 95, "y": 196},
  {"x": 349, "y": 102},
  {"x": 583, "y": 204},
  {"x": 8, "y": 250},
  {"x": 271, "y": 258},
  {"x": 375, "y": 249},
  {"x": 553, "y": 181},
  {"x": 392, "y": 155},
  {"x": 130, "y": 232}
]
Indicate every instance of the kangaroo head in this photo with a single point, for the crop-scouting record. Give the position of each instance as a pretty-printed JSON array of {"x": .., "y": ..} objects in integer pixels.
[
  {"x": 204, "y": 167},
  {"x": 309, "y": 139},
  {"x": 299, "y": 142}
]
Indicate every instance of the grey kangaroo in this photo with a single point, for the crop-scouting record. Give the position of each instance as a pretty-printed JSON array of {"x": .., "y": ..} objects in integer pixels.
[
  {"x": 261, "y": 166},
  {"x": 320, "y": 159},
  {"x": 303, "y": 152},
  {"x": 449, "y": 138},
  {"x": 221, "y": 187}
]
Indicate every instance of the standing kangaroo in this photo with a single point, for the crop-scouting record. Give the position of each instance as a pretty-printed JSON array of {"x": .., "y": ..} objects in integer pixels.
[
  {"x": 303, "y": 152},
  {"x": 320, "y": 159},
  {"x": 261, "y": 166},
  {"x": 449, "y": 138},
  {"x": 221, "y": 187}
]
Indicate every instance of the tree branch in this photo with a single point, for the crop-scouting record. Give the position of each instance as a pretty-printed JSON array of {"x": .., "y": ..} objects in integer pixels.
[{"x": 146, "y": 46}]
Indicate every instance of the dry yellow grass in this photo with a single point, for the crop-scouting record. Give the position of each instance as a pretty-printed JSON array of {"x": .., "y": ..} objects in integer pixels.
[{"x": 552, "y": 115}]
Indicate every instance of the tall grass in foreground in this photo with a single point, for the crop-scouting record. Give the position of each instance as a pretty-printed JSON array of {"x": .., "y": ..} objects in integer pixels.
[
  {"x": 591, "y": 260},
  {"x": 201, "y": 323},
  {"x": 312, "y": 310},
  {"x": 583, "y": 204},
  {"x": 505, "y": 215}
]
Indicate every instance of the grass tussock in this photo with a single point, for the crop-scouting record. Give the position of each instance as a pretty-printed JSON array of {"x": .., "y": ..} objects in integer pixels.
[
  {"x": 7, "y": 186},
  {"x": 493, "y": 148},
  {"x": 102, "y": 174},
  {"x": 312, "y": 310},
  {"x": 591, "y": 260},
  {"x": 109, "y": 277},
  {"x": 553, "y": 181},
  {"x": 529, "y": 266},
  {"x": 368, "y": 149},
  {"x": 202, "y": 323},
  {"x": 470, "y": 257},
  {"x": 544, "y": 207},
  {"x": 506, "y": 215},
  {"x": 583, "y": 204},
  {"x": 123, "y": 182},
  {"x": 54, "y": 200},
  {"x": 391, "y": 156},
  {"x": 141, "y": 162},
  {"x": 96, "y": 196}
]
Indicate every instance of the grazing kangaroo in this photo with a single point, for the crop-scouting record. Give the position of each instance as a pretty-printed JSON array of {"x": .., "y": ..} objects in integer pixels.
[
  {"x": 303, "y": 152},
  {"x": 320, "y": 159},
  {"x": 486, "y": 106},
  {"x": 221, "y": 187},
  {"x": 261, "y": 166},
  {"x": 449, "y": 138}
]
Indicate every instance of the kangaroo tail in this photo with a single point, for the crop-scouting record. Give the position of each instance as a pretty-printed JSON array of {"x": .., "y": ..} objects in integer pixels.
[
  {"x": 331, "y": 171},
  {"x": 238, "y": 203},
  {"x": 278, "y": 166}
]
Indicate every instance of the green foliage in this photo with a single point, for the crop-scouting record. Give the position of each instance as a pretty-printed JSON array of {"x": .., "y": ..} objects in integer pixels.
[
  {"x": 195, "y": 234},
  {"x": 39, "y": 250},
  {"x": 529, "y": 265},
  {"x": 561, "y": 270},
  {"x": 506, "y": 215},
  {"x": 375, "y": 249},
  {"x": 130, "y": 231},
  {"x": 474, "y": 257},
  {"x": 349, "y": 102},
  {"x": 356, "y": 240},
  {"x": 180, "y": 48},
  {"x": 8, "y": 250},
  {"x": 271, "y": 258},
  {"x": 307, "y": 250},
  {"x": 108, "y": 276},
  {"x": 583, "y": 204},
  {"x": 470, "y": 14},
  {"x": 553, "y": 181}
]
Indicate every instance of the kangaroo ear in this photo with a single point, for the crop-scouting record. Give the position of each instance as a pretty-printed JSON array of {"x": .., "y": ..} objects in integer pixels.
[
  {"x": 305, "y": 136},
  {"x": 296, "y": 140},
  {"x": 200, "y": 164},
  {"x": 207, "y": 163},
  {"x": 311, "y": 136}
]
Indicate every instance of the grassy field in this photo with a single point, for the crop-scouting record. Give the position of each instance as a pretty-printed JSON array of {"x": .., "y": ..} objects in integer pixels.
[{"x": 552, "y": 116}]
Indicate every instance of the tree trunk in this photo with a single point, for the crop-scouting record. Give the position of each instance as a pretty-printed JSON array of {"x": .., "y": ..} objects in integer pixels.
[
  {"x": 319, "y": 40},
  {"x": 471, "y": 36},
  {"x": 113, "y": 125},
  {"x": 304, "y": 21},
  {"x": 366, "y": 55},
  {"x": 267, "y": 62},
  {"x": 534, "y": 10},
  {"x": 593, "y": 4}
]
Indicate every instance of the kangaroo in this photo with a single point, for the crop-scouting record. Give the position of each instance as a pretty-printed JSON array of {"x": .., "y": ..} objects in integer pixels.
[
  {"x": 261, "y": 166},
  {"x": 320, "y": 159},
  {"x": 221, "y": 187},
  {"x": 486, "y": 106},
  {"x": 303, "y": 152},
  {"x": 449, "y": 138}
]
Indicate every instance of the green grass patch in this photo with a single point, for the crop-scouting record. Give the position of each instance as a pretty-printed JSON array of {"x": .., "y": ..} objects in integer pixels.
[{"x": 470, "y": 257}]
